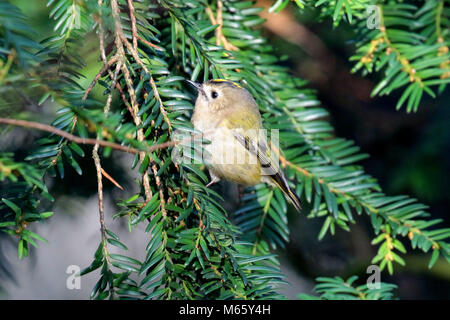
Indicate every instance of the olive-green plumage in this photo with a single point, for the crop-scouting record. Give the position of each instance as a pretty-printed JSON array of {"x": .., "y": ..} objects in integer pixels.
[{"x": 229, "y": 117}]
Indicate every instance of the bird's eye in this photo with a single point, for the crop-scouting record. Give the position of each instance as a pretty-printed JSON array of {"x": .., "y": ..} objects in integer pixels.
[{"x": 214, "y": 94}]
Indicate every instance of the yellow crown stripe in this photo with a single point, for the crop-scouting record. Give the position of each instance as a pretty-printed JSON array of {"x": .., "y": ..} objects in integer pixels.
[{"x": 228, "y": 81}]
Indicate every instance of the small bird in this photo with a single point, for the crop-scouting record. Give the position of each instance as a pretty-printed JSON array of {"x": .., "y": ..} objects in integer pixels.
[{"x": 228, "y": 116}]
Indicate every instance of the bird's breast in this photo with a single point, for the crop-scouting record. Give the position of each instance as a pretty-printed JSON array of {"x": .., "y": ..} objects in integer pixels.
[{"x": 228, "y": 158}]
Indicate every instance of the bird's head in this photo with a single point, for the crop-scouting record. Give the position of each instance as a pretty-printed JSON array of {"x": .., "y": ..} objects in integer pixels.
[{"x": 219, "y": 94}]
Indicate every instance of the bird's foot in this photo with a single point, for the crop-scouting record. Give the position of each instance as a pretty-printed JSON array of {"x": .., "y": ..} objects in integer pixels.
[{"x": 214, "y": 180}]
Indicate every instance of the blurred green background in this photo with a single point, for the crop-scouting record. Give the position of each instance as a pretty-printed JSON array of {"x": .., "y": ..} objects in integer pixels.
[{"x": 409, "y": 153}]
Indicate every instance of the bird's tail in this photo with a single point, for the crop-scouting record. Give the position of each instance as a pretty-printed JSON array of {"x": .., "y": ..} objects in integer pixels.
[{"x": 280, "y": 181}]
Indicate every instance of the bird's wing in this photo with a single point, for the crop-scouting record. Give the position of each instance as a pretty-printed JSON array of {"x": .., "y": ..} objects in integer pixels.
[{"x": 247, "y": 129}]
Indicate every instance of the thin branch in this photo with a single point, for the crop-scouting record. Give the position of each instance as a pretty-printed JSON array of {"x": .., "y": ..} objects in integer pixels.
[
  {"x": 124, "y": 99},
  {"x": 148, "y": 43},
  {"x": 107, "y": 176},
  {"x": 161, "y": 192},
  {"x": 220, "y": 38},
  {"x": 120, "y": 39},
  {"x": 133, "y": 51},
  {"x": 95, "y": 156},
  {"x": 133, "y": 23},
  {"x": 100, "y": 197},
  {"x": 107, "y": 65},
  {"x": 88, "y": 141},
  {"x": 136, "y": 57}
]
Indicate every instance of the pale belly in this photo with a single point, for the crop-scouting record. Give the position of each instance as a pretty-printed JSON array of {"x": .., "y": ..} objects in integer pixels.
[{"x": 227, "y": 158}]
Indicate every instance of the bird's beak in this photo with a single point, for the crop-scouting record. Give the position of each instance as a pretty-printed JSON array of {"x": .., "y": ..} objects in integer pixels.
[{"x": 197, "y": 86}]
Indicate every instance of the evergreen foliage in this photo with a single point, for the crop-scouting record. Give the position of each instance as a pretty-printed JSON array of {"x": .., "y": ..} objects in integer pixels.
[
  {"x": 406, "y": 41},
  {"x": 338, "y": 289},
  {"x": 148, "y": 49}
]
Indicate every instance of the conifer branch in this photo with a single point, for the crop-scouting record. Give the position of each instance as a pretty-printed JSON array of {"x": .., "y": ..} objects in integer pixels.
[{"x": 80, "y": 140}]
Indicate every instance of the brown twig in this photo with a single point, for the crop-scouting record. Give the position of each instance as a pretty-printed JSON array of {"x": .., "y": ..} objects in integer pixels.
[
  {"x": 124, "y": 99},
  {"x": 107, "y": 176},
  {"x": 148, "y": 43},
  {"x": 133, "y": 24},
  {"x": 120, "y": 40},
  {"x": 138, "y": 60},
  {"x": 98, "y": 167},
  {"x": 161, "y": 193},
  {"x": 80, "y": 140},
  {"x": 106, "y": 66},
  {"x": 95, "y": 156},
  {"x": 100, "y": 196},
  {"x": 220, "y": 38}
]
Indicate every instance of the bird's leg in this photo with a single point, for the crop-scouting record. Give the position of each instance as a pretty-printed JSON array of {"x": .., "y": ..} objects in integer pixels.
[{"x": 213, "y": 180}]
